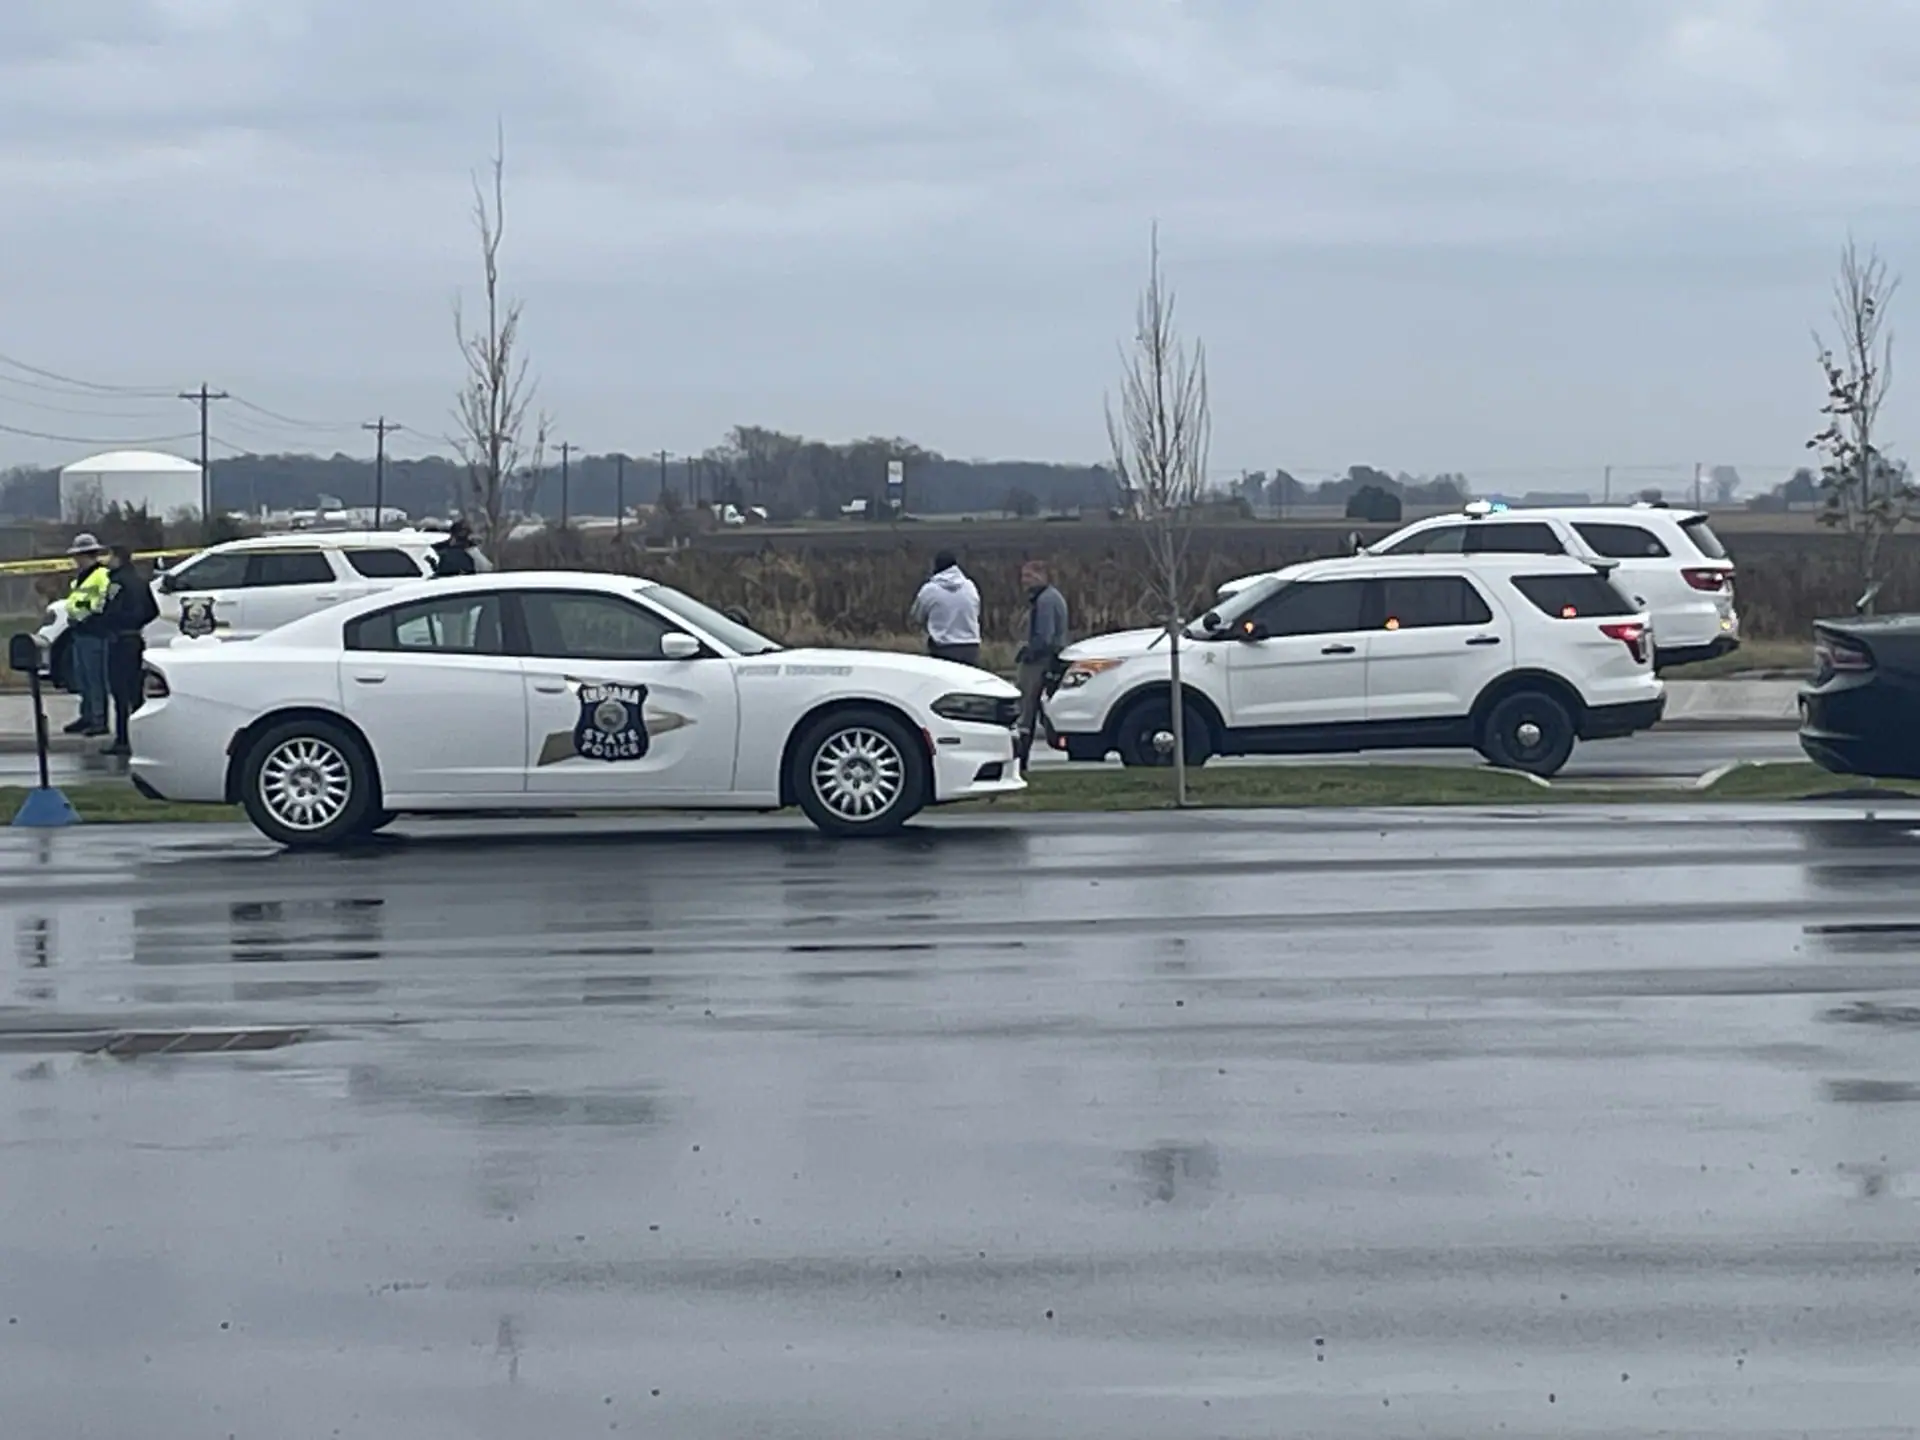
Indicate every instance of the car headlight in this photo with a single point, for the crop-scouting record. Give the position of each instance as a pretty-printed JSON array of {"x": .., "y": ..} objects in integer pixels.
[
  {"x": 974, "y": 709},
  {"x": 1081, "y": 671}
]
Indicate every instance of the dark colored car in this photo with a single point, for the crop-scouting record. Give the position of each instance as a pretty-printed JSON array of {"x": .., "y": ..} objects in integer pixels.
[{"x": 1861, "y": 714}]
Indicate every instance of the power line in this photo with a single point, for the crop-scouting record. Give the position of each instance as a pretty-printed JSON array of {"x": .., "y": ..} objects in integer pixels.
[
  {"x": 94, "y": 386},
  {"x": 290, "y": 420},
  {"x": 95, "y": 439}
]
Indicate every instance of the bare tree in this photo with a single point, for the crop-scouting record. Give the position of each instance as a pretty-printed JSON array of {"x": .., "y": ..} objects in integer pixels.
[
  {"x": 1160, "y": 434},
  {"x": 490, "y": 411},
  {"x": 1865, "y": 493}
]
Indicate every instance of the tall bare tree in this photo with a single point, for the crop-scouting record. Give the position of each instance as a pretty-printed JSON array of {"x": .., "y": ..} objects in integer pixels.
[
  {"x": 1865, "y": 493},
  {"x": 490, "y": 411},
  {"x": 1160, "y": 431}
]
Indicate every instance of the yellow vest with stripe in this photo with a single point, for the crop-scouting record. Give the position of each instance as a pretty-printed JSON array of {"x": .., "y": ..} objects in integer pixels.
[{"x": 88, "y": 597}]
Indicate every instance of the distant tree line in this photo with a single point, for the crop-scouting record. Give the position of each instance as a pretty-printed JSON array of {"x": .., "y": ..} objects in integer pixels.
[{"x": 790, "y": 476}]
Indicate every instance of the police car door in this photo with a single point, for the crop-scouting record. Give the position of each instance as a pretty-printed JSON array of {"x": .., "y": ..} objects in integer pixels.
[{"x": 610, "y": 715}]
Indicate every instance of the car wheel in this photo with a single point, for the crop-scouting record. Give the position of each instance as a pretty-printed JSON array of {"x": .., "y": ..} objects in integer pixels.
[
  {"x": 1144, "y": 735},
  {"x": 375, "y": 821},
  {"x": 308, "y": 783},
  {"x": 860, "y": 772},
  {"x": 1530, "y": 731}
]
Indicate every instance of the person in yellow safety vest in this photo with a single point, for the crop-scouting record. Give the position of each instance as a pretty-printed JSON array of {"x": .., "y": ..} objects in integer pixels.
[{"x": 85, "y": 602}]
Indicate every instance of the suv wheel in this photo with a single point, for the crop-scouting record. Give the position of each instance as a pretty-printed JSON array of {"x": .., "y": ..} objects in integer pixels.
[
  {"x": 860, "y": 772},
  {"x": 1529, "y": 730},
  {"x": 1144, "y": 735},
  {"x": 308, "y": 783}
]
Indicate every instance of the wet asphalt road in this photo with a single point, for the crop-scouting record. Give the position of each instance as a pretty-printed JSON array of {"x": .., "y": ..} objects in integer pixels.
[{"x": 1568, "y": 1123}]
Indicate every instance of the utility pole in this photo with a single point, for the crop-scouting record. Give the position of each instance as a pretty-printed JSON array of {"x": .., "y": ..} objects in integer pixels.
[
  {"x": 1696, "y": 484},
  {"x": 619, "y": 495},
  {"x": 204, "y": 397},
  {"x": 1606, "y": 494},
  {"x": 381, "y": 428},
  {"x": 566, "y": 453},
  {"x": 663, "y": 478}
]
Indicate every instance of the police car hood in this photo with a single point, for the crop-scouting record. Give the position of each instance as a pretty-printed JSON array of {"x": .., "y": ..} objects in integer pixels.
[
  {"x": 1121, "y": 645},
  {"x": 903, "y": 663}
]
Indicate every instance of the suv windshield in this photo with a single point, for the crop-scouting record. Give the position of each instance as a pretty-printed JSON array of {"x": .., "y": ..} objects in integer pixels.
[{"x": 730, "y": 633}]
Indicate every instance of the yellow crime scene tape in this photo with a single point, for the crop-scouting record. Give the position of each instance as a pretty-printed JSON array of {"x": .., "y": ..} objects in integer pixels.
[{"x": 48, "y": 564}]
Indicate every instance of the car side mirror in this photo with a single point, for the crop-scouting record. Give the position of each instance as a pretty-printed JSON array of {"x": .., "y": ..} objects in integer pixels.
[
  {"x": 1354, "y": 543},
  {"x": 166, "y": 583},
  {"x": 1211, "y": 622},
  {"x": 678, "y": 646},
  {"x": 1252, "y": 630}
]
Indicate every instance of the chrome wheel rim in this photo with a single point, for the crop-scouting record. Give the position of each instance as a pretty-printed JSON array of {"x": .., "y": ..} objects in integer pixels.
[
  {"x": 305, "y": 783},
  {"x": 858, "y": 773}
]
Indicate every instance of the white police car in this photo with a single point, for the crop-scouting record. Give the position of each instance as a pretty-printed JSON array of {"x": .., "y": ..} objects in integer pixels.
[{"x": 559, "y": 691}]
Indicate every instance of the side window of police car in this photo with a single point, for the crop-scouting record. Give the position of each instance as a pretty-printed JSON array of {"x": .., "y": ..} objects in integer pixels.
[
  {"x": 1513, "y": 537},
  {"x": 1621, "y": 542},
  {"x": 385, "y": 564},
  {"x": 579, "y": 626},
  {"x": 1440, "y": 540},
  {"x": 1431, "y": 602},
  {"x": 209, "y": 572},
  {"x": 453, "y": 625},
  {"x": 272, "y": 568},
  {"x": 1312, "y": 607}
]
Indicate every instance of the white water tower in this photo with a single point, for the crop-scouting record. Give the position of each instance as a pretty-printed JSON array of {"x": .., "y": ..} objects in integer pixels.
[{"x": 166, "y": 486}]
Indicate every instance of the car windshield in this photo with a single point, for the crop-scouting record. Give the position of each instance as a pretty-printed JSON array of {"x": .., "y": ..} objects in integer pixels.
[
  {"x": 1230, "y": 609},
  {"x": 740, "y": 639}
]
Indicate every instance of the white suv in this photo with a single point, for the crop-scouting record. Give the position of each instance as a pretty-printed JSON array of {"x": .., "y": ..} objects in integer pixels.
[
  {"x": 1669, "y": 561},
  {"x": 1516, "y": 656},
  {"x": 248, "y": 587},
  {"x": 266, "y": 581}
]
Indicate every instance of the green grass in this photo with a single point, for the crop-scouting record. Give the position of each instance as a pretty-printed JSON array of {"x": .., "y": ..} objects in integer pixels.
[{"x": 1096, "y": 789}]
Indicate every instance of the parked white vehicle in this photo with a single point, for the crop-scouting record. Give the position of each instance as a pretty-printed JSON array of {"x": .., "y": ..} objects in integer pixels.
[
  {"x": 1670, "y": 561},
  {"x": 244, "y": 588},
  {"x": 1516, "y": 656},
  {"x": 534, "y": 691}
]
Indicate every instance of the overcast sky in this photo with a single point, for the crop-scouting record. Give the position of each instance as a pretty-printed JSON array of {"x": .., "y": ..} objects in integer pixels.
[{"x": 1496, "y": 236}]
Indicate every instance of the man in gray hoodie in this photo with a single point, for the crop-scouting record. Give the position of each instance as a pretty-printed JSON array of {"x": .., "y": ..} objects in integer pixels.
[
  {"x": 948, "y": 605},
  {"x": 1046, "y": 638}
]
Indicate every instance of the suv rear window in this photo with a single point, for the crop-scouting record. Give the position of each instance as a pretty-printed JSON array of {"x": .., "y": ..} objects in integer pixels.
[
  {"x": 384, "y": 564},
  {"x": 1573, "y": 597},
  {"x": 1440, "y": 540},
  {"x": 1703, "y": 538},
  {"x": 1620, "y": 542}
]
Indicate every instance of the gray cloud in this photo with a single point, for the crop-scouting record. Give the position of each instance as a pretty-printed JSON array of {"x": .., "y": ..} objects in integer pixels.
[{"x": 1414, "y": 232}]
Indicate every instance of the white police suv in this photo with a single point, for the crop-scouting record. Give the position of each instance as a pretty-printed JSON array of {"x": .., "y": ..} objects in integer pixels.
[
  {"x": 1668, "y": 561},
  {"x": 1516, "y": 656}
]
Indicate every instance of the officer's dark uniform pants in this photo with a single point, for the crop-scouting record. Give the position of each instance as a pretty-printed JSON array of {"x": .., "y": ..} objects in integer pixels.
[{"x": 124, "y": 681}]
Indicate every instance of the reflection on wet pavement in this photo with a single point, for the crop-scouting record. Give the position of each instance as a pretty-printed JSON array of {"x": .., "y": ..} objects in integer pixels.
[{"x": 1568, "y": 1123}]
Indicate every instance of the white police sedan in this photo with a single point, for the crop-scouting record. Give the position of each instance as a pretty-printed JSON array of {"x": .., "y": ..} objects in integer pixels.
[{"x": 563, "y": 691}]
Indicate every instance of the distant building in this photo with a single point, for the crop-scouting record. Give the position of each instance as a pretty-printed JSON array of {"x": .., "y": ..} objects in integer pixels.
[{"x": 165, "y": 486}]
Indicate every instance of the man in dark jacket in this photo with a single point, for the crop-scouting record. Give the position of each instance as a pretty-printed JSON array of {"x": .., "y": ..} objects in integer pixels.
[
  {"x": 129, "y": 609},
  {"x": 1046, "y": 638},
  {"x": 454, "y": 555}
]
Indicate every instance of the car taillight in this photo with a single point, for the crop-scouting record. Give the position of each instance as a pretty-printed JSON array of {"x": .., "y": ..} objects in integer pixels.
[
  {"x": 1838, "y": 657},
  {"x": 153, "y": 685},
  {"x": 1710, "y": 580},
  {"x": 1632, "y": 634}
]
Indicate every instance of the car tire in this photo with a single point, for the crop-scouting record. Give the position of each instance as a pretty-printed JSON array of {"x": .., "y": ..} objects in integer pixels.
[
  {"x": 1528, "y": 730},
  {"x": 376, "y": 821},
  {"x": 1138, "y": 735},
  {"x": 308, "y": 784},
  {"x": 860, "y": 772}
]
